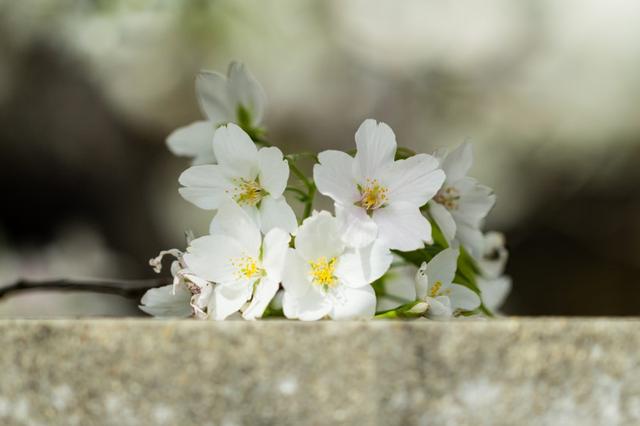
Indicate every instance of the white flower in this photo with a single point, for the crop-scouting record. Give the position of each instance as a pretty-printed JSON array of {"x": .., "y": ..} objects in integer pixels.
[
  {"x": 245, "y": 267},
  {"x": 375, "y": 196},
  {"x": 236, "y": 98},
  {"x": 494, "y": 291},
  {"x": 254, "y": 179},
  {"x": 461, "y": 205},
  {"x": 434, "y": 285},
  {"x": 189, "y": 295},
  {"x": 494, "y": 256},
  {"x": 325, "y": 278}
]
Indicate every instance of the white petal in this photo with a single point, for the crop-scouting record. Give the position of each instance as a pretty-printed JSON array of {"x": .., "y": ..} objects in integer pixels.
[
  {"x": 463, "y": 298},
  {"x": 457, "y": 163},
  {"x": 356, "y": 227},
  {"x": 277, "y": 213},
  {"x": 195, "y": 141},
  {"x": 205, "y": 186},
  {"x": 246, "y": 91},
  {"x": 376, "y": 145},
  {"x": 401, "y": 226},
  {"x": 442, "y": 268},
  {"x": 228, "y": 299},
  {"x": 161, "y": 302},
  {"x": 414, "y": 180},
  {"x": 475, "y": 202},
  {"x": 213, "y": 97},
  {"x": 359, "y": 267},
  {"x": 495, "y": 291},
  {"x": 334, "y": 176},
  {"x": 439, "y": 307},
  {"x": 235, "y": 149},
  {"x": 275, "y": 248},
  {"x": 443, "y": 219},
  {"x": 471, "y": 238},
  {"x": 358, "y": 303},
  {"x": 399, "y": 288},
  {"x": 210, "y": 257},
  {"x": 310, "y": 306},
  {"x": 232, "y": 221},
  {"x": 319, "y": 236},
  {"x": 422, "y": 282},
  {"x": 262, "y": 296},
  {"x": 295, "y": 277},
  {"x": 274, "y": 170}
]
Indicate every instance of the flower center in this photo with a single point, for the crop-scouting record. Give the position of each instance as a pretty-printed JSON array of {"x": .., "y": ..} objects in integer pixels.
[
  {"x": 248, "y": 192},
  {"x": 435, "y": 290},
  {"x": 448, "y": 197},
  {"x": 247, "y": 267},
  {"x": 322, "y": 270},
  {"x": 372, "y": 195}
]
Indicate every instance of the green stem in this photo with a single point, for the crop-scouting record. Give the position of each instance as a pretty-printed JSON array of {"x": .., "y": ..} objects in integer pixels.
[
  {"x": 308, "y": 183},
  {"x": 301, "y": 193}
]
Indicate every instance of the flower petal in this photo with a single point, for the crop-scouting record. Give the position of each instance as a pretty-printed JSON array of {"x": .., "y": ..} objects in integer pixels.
[
  {"x": 475, "y": 202},
  {"x": 495, "y": 291},
  {"x": 195, "y": 141},
  {"x": 233, "y": 222},
  {"x": 443, "y": 219},
  {"x": 275, "y": 248},
  {"x": 229, "y": 298},
  {"x": 359, "y": 267},
  {"x": 205, "y": 186},
  {"x": 463, "y": 298},
  {"x": 277, "y": 213},
  {"x": 310, "y": 306},
  {"x": 213, "y": 97},
  {"x": 334, "y": 176},
  {"x": 401, "y": 226},
  {"x": 234, "y": 148},
  {"x": 414, "y": 180},
  {"x": 456, "y": 164},
  {"x": 319, "y": 236},
  {"x": 246, "y": 91},
  {"x": 357, "y": 303},
  {"x": 210, "y": 257},
  {"x": 162, "y": 302},
  {"x": 399, "y": 288},
  {"x": 376, "y": 145},
  {"x": 262, "y": 296},
  {"x": 471, "y": 238},
  {"x": 442, "y": 268},
  {"x": 295, "y": 277},
  {"x": 356, "y": 227},
  {"x": 439, "y": 307},
  {"x": 274, "y": 170}
]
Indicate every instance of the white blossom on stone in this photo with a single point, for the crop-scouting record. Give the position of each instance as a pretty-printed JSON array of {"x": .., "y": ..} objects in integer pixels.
[
  {"x": 253, "y": 178},
  {"x": 461, "y": 205},
  {"x": 325, "y": 278},
  {"x": 246, "y": 267},
  {"x": 376, "y": 197},
  {"x": 234, "y": 98},
  {"x": 435, "y": 286}
]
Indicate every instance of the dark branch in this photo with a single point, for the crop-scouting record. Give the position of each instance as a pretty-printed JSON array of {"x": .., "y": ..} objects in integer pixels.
[{"x": 132, "y": 289}]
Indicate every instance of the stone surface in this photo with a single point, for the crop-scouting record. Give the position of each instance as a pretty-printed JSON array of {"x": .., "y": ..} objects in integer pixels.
[{"x": 501, "y": 372}]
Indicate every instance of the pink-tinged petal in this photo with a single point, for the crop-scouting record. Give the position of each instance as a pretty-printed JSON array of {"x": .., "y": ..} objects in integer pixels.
[
  {"x": 356, "y": 227},
  {"x": 401, "y": 226},
  {"x": 334, "y": 176},
  {"x": 274, "y": 171},
  {"x": 277, "y": 213},
  {"x": 205, "y": 186},
  {"x": 234, "y": 149},
  {"x": 376, "y": 145},
  {"x": 415, "y": 180},
  {"x": 195, "y": 141},
  {"x": 457, "y": 163},
  {"x": 355, "y": 303},
  {"x": 233, "y": 222}
]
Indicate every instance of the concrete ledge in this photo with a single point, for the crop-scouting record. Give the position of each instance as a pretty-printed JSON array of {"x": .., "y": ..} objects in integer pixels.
[{"x": 132, "y": 372}]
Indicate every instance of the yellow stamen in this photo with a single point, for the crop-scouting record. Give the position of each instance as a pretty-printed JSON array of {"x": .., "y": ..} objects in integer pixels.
[
  {"x": 247, "y": 267},
  {"x": 322, "y": 271},
  {"x": 435, "y": 289},
  {"x": 372, "y": 195},
  {"x": 247, "y": 192}
]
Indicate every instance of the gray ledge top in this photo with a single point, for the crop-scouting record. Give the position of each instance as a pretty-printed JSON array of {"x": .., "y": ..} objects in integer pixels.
[{"x": 511, "y": 371}]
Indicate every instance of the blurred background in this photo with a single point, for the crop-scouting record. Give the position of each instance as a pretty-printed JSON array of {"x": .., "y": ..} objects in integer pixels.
[{"x": 547, "y": 91}]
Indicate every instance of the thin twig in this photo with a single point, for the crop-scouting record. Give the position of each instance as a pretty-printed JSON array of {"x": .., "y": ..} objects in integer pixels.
[{"x": 132, "y": 289}]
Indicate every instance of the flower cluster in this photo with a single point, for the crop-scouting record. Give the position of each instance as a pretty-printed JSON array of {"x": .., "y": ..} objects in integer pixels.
[{"x": 405, "y": 239}]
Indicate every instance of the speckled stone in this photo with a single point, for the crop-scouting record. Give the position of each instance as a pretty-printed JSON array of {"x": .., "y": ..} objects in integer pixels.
[{"x": 139, "y": 372}]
